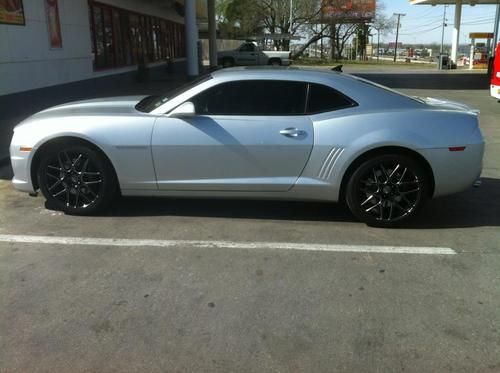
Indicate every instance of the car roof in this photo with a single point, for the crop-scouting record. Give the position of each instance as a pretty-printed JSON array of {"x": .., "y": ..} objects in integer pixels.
[
  {"x": 274, "y": 72},
  {"x": 289, "y": 73}
]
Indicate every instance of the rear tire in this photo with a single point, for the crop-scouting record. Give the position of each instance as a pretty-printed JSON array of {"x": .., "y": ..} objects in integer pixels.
[
  {"x": 76, "y": 179},
  {"x": 387, "y": 190},
  {"x": 275, "y": 62}
]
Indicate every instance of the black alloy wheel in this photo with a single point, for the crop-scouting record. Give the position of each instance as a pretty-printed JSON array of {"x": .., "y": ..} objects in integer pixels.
[
  {"x": 387, "y": 190},
  {"x": 76, "y": 180}
]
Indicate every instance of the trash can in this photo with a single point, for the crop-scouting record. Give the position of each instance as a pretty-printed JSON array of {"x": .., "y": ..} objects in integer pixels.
[{"x": 443, "y": 62}]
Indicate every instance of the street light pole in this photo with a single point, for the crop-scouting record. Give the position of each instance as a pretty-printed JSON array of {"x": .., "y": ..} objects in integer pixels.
[
  {"x": 397, "y": 34},
  {"x": 442, "y": 32}
]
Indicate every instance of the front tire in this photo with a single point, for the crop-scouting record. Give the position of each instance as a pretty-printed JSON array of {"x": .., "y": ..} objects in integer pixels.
[
  {"x": 76, "y": 179},
  {"x": 387, "y": 190}
]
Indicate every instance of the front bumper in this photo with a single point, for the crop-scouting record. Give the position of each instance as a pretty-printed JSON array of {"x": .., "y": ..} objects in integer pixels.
[
  {"x": 21, "y": 165},
  {"x": 495, "y": 91}
]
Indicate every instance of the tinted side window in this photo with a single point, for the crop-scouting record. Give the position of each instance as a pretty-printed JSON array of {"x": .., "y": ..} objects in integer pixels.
[
  {"x": 253, "y": 97},
  {"x": 323, "y": 98},
  {"x": 247, "y": 48}
]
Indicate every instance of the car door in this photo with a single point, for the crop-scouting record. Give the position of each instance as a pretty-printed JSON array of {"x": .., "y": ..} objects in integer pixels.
[
  {"x": 247, "y": 55},
  {"x": 246, "y": 136}
]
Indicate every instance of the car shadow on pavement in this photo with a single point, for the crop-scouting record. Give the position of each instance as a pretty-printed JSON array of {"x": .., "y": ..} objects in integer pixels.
[
  {"x": 476, "y": 207},
  {"x": 230, "y": 208}
]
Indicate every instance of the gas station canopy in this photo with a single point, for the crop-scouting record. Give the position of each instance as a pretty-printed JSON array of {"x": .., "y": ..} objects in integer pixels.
[{"x": 458, "y": 18}]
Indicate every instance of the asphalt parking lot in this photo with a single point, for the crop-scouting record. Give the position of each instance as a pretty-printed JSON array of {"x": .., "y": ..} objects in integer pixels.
[{"x": 203, "y": 299}]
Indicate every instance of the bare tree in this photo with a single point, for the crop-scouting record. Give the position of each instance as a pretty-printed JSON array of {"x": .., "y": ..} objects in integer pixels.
[
  {"x": 278, "y": 18},
  {"x": 339, "y": 21},
  {"x": 340, "y": 34},
  {"x": 312, "y": 19},
  {"x": 314, "y": 34},
  {"x": 381, "y": 22},
  {"x": 244, "y": 18}
]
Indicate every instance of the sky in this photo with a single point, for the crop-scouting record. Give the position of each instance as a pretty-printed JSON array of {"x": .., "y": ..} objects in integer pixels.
[{"x": 422, "y": 23}]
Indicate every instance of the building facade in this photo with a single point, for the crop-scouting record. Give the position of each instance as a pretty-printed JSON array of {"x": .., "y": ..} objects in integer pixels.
[{"x": 47, "y": 43}]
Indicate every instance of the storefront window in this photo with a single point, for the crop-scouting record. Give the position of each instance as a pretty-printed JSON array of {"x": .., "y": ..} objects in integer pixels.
[
  {"x": 99, "y": 57},
  {"x": 118, "y": 39},
  {"x": 108, "y": 38},
  {"x": 121, "y": 37}
]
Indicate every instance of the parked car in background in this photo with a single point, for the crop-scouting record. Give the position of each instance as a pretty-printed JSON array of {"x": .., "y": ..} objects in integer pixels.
[
  {"x": 251, "y": 54},
  {"x": 258, "y": 133}
]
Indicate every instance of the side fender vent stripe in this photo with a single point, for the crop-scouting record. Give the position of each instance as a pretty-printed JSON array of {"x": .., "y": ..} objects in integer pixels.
[{"x": 329, "y": 163}]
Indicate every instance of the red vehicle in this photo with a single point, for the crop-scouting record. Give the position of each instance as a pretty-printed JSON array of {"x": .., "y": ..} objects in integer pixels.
[{"x": 495, "y": 76}]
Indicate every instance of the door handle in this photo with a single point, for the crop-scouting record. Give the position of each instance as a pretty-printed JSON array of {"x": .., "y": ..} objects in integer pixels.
[{"x": 292, "y": 132}]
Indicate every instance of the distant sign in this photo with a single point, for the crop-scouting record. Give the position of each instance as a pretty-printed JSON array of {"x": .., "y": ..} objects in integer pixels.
[
  {"x": 348, "y": 10},
  {"x": 392, "y": 45},
  {"x": 481, "y": 35}
]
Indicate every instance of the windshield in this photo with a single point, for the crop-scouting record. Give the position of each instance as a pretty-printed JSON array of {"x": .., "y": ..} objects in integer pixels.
[{"x": 150, "y": 103}]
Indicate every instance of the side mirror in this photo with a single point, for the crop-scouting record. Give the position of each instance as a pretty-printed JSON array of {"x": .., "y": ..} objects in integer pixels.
[{"x": 184, "y": 110}]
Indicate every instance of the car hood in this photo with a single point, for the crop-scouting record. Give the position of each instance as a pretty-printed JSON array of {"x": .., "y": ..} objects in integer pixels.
[
  {"x": 444, "y": 104},
  {"x": 97, "y": 106}
]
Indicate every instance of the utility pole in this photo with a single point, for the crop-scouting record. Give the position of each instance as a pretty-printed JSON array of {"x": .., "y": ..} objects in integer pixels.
[
  {"x": 442, "y": 32},
  {"x": 397, "y": 34}
]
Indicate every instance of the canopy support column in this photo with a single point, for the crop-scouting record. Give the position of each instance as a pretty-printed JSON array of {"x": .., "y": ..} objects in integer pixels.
[
  {"x": 495, "y": 32},
  {"x": 212, "y": 34},
  {"x": 456, "y": 31},
  {"x": 191, "y": 38}
]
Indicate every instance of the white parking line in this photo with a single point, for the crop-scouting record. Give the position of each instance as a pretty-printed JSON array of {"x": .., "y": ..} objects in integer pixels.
[{"x": 50, "y": 240}]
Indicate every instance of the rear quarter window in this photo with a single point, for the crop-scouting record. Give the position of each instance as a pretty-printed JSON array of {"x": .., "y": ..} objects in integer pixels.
[{"x": 322, "y": 99}]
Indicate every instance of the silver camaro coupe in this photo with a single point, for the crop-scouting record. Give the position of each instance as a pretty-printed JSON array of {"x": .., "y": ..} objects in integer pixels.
[{"x": 269, "y": 133}]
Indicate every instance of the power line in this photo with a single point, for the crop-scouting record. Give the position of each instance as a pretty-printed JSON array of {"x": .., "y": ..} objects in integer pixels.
[
  {"x": 478, "y": 23},
  {"x": 421, "y": 32},
  {"x": 419, "y": 20},
  {"x": 438, "y": 21},
  {"x": 472, "y": 18}
]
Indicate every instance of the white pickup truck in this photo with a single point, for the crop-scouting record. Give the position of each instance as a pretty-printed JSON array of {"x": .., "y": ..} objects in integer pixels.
[{"x": 250, "y": 53}]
